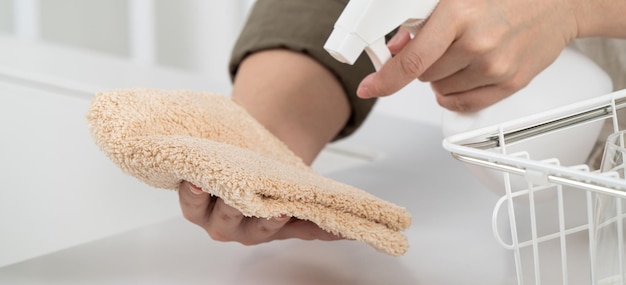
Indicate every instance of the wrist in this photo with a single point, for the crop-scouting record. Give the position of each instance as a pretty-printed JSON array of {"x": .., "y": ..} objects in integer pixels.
[{"x": 599, "y": 18}]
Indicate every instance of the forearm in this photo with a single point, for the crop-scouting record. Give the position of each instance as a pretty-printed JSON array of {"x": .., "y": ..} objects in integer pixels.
[{"x": 294, "y": 97}]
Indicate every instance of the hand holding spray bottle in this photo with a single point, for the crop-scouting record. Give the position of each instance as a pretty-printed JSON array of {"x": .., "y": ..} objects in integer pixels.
[{"x": 363, "y": 24}]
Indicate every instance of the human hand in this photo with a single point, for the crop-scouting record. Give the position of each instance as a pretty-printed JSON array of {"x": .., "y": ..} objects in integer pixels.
[
  {"x": 225, "y": 223},
  {"x": 476, "y": 52}
]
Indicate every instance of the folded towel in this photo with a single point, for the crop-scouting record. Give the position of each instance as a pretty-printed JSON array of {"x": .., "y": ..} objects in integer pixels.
[{"x": 164, "y": 137}]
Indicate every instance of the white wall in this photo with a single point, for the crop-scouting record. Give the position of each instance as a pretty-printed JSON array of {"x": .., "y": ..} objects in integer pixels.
[
  {"x": 197, "y": 35},
  {"x": 193, "y": 35},
  {"x": 6, "y": 16},
  {"x": 91, "y": 24}
]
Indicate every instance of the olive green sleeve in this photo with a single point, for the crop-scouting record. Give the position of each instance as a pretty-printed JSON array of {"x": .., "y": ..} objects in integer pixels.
[{"x": 304, "y": 26}]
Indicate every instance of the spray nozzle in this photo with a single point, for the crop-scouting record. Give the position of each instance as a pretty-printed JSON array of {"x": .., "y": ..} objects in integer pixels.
[{"x": 363, "y": 24}]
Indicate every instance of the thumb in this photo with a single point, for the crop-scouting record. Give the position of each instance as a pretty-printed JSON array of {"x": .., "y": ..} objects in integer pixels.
[{"x": 416, "y": 57}]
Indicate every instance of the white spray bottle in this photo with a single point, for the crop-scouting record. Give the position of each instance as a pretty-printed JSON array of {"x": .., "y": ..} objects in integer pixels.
[{"x": 364, "y": 23}]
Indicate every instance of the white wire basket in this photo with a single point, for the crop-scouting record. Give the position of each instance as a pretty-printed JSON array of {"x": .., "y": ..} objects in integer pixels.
[{"x": 547, "y": 213}]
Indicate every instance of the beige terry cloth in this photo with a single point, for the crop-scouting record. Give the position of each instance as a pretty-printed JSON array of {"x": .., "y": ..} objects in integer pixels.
[{"x": 165, "y": 137}]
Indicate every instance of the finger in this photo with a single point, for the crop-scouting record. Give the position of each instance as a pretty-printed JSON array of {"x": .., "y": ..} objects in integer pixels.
[
  {"x": 194, "y": 203},
  {"x": 476, "y": 99},
  {"x": 461, "y": 82},
  {"x": 224, "y": 222},
  {"x": 489, "y": 72},
  {"x": 260, "y": 230},
  {"x": 451, "y": 62},
  {"x": 305, "y": 230},
  {"x": 399, "y": 40},
  {"x": 418, "y": 55}
]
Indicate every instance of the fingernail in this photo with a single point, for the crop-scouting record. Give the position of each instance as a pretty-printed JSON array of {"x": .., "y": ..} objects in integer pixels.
[
  {"x": 394, "y": 40},
  {"x": 281, "y": 218},
  {"x": 344, "y": 237},
  {"x": 195, "y": 190},
  {"x": 363, "y": 92}
]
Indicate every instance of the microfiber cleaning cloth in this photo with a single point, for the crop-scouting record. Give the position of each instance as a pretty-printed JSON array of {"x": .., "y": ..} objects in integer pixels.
[{"x": 164, "y": 137}]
